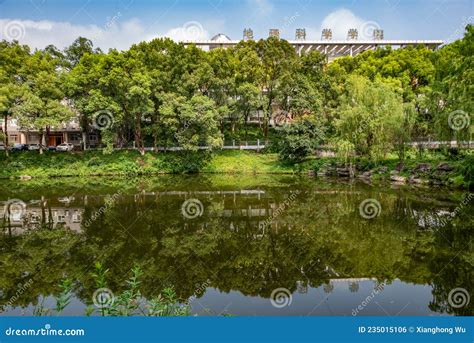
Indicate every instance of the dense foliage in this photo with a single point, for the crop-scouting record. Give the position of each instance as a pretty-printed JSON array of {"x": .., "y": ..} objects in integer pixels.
[{"x": 161, "y": 93}]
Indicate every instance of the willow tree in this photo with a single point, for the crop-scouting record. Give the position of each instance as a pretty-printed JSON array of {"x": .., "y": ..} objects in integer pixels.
[{"x": 370, "y": 116}]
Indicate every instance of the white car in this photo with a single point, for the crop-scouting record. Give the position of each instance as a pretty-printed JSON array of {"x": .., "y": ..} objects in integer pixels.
[
  {"x": 65, "y": 147},
  {"x": 33, "y": 147}
]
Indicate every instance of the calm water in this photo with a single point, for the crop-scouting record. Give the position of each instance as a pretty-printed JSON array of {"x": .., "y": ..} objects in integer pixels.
[{"x": 227, "y": 242}]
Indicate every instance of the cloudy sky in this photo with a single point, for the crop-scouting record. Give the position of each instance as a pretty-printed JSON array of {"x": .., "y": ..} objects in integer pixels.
[{"x": 120, "y": 23}]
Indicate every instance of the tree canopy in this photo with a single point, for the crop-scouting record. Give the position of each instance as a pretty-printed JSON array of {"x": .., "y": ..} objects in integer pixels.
[{"x": 162, "y": 93}]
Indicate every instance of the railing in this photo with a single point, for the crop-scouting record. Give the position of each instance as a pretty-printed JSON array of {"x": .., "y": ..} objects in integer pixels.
[
  {"x": 437, "y": 144},
  {"x": 259, "y": 145}
]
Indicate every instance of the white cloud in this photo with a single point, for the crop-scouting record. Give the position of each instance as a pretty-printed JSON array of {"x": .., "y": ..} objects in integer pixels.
[
  {"x": 114, "y": 34},
  {"x": 340, "y": 21},
  {"x": 192, "y": 30}
]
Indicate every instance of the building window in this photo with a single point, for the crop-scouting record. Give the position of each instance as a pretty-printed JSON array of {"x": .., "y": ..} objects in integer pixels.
[
  {"x": 35, "y": 218},
  {"x": 93, "y": 137},
  {"x": 76, "y": 217},
  {"x": 32, "y": 138},
  {"x": 75, "y": 137}
]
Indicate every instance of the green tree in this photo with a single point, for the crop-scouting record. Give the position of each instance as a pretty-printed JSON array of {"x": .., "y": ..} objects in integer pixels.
[
  {"x": 12, "y": 76},
  {"x": 190, "y": 123},
  {"x": 370, "y": 116},
  {"x": 278, "y": 58},
  {"x": 300, "y": 138},
  {"x": 42, "y": 104},
  {"x": 451, "y": 102},
  {"x": 73, "y": 53}
]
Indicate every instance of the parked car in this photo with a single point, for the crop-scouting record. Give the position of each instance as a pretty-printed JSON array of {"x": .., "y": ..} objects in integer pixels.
[
  {"x": 51, "y": 148},
  {"x": 34, "y": 146},
  {"x": 65, "y": 147},
  {"x": 19, "y": 147}
]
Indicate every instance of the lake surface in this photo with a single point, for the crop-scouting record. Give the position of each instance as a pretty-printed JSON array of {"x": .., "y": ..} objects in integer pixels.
[{"x": 240, "y": 245}]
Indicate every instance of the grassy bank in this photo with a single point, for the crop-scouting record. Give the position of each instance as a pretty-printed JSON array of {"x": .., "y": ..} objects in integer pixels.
[
  {"x": 131, "y": 163},
  {"x": 53, "y": 164}
]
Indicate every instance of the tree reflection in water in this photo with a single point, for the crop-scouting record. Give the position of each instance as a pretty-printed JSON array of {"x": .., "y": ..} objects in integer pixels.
[{"x": 316, "y": 239}]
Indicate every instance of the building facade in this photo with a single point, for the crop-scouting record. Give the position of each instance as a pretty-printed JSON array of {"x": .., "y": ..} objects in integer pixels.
[{"x": 70, "y": 132}]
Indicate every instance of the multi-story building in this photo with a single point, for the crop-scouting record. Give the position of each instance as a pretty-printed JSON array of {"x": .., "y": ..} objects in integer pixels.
[{"x": 69, "y": 132}]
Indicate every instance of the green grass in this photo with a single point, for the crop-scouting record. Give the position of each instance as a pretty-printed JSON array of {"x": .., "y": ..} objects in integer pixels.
[
  {"x": 246, "y": 162},
  {"x": 94, "y": 163},
  {"x": 131, "y": 163}
]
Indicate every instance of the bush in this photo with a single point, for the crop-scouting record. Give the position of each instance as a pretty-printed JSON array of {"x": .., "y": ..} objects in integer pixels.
[
  {"x": 186, "y": 162},
  {"x": 299, "y": 139},
  {"x": 467, "y": 171},
  {"x": 95, "y": 161}
]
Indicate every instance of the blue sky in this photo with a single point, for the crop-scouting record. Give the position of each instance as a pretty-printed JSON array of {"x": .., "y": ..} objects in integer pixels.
[{"x": 120, "y": 23}]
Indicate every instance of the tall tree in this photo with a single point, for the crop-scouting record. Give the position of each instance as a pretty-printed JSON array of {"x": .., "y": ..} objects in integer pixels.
[
  {"x": 278, "y": 58},
  {"x": 79, "y": 48},
  {"x": 42, "y": 104},
  {"x": 12, "y": 76}
]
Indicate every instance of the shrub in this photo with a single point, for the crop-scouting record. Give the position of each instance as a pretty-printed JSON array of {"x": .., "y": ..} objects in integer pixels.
[
  {"x": 299, "y": 139},
  {"x": 95, "y": 161}
]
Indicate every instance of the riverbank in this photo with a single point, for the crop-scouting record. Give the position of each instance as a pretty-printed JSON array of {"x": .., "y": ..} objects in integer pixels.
[{"x": 430, "y": 170}]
